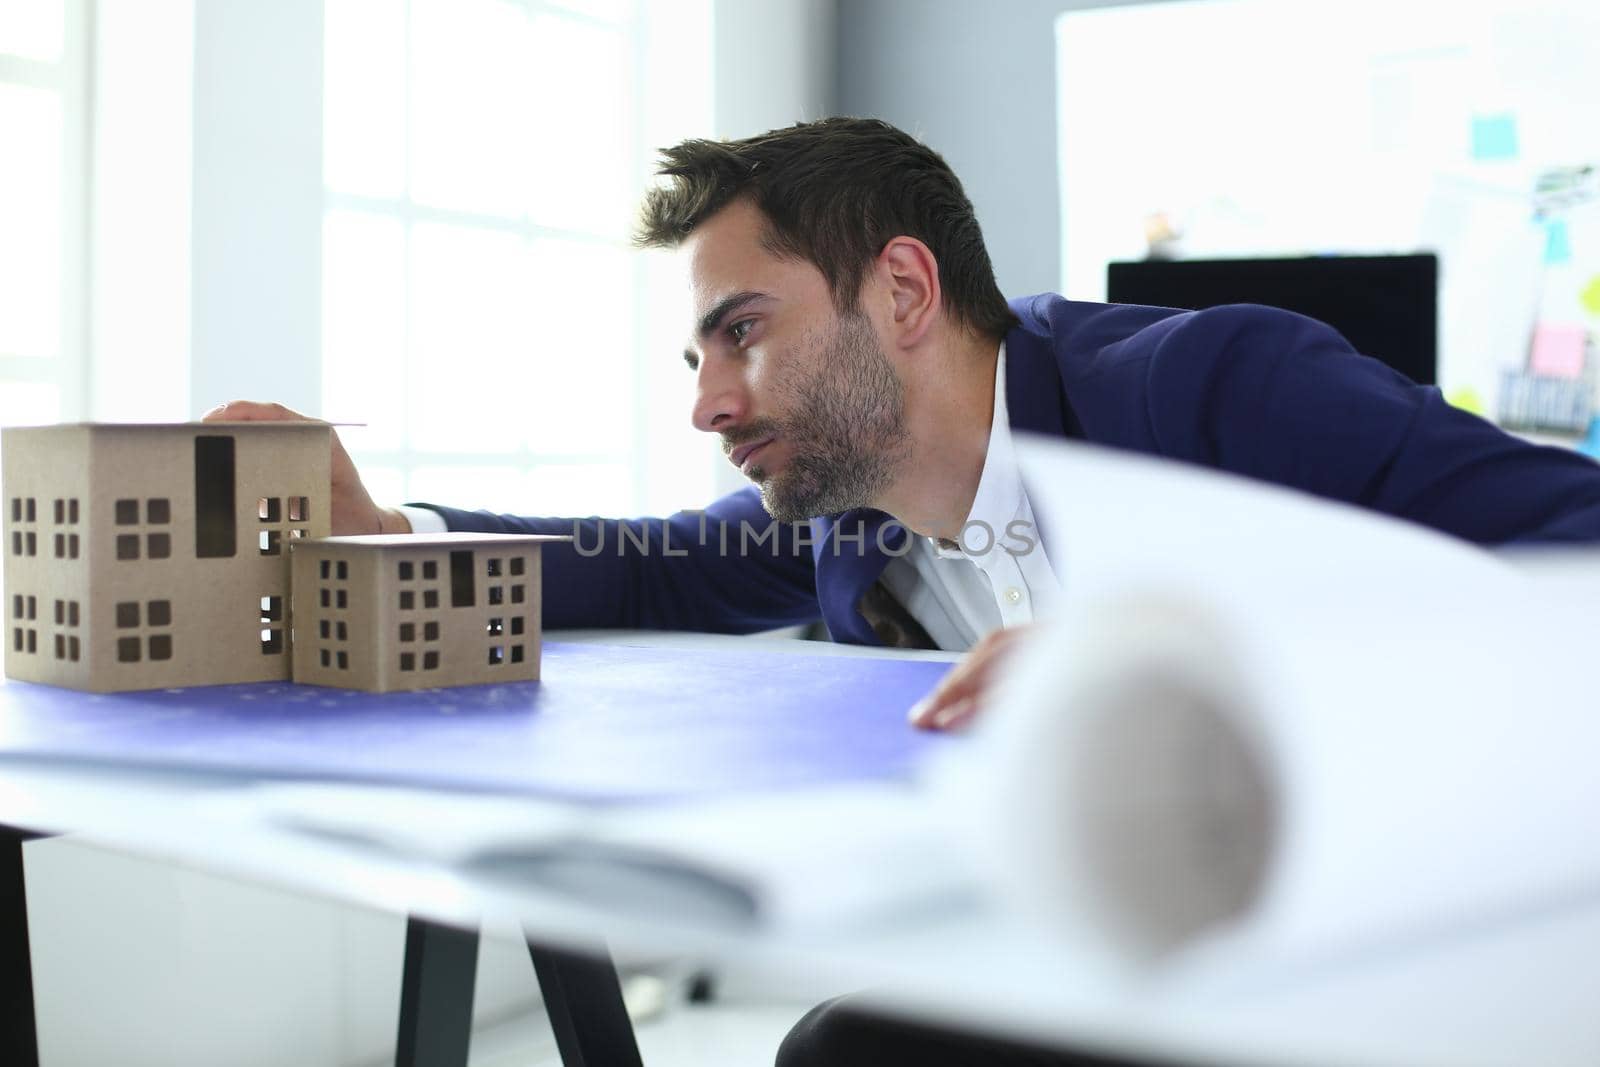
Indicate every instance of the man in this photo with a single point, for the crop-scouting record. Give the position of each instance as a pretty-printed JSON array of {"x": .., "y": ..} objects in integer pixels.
[{"x": 861, "y": 367}]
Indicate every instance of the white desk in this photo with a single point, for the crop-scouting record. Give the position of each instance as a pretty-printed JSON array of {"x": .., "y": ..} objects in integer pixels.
[{"x": 1517, "y": 993}]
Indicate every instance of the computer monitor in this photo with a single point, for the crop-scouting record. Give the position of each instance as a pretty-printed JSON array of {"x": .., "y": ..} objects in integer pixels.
[{"x": 1386, "y": 306}]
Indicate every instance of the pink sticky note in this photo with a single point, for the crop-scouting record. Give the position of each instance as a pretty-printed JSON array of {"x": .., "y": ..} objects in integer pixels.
[{"x": 1557, "y": 351}]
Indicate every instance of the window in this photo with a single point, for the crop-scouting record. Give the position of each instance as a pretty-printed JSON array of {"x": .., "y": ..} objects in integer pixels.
[
  {"x": 462, "y": 588},
  {"x": 25, "y": 609},
  {"x": 216, "y": 526},
  {"x": 157, "y": 542},
  {"x": 270, "y": 511},
  {"x": 152, "y": 617},
  {"x": 66, "y": 515},
  {"x": 24, "y": 512},
  {"x": 338, "y": 634},
  {"x": 483, "y": 161},
  {"x": 43, "y": 210},
  {"x": 269, "y": 617}
]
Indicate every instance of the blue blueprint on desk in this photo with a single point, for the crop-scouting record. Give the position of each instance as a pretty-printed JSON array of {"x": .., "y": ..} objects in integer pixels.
[{"x": 605, "y": 723}]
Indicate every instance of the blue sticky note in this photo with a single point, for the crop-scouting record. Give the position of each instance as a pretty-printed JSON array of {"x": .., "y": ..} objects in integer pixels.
[
  {"x": 1494, "y": 137},
  {"x": 1557, "y": 246},
  {"x": 1590, "y": 445}
]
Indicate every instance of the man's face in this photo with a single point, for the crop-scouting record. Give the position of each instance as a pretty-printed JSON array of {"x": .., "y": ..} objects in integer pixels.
[{"x": 808, "y": 405}]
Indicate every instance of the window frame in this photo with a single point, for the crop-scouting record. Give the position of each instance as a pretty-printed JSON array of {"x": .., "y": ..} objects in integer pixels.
[{"x": 406, "y": 458}]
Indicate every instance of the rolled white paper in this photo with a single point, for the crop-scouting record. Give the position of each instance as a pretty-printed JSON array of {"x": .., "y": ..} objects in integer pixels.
[{"x": 1278, "y": 766}]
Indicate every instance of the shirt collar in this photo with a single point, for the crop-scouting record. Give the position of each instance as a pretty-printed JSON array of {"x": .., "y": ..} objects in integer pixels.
[{"x": 999, "y": 496}]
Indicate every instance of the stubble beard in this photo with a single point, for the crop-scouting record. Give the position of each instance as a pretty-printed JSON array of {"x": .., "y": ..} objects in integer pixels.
[{"x": 846, "y": 431}]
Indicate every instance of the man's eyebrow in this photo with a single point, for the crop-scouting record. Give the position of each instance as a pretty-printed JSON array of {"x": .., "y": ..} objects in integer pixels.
[
  {"x": 723, "y": 308},
  {"x": 712, "y": 320}
]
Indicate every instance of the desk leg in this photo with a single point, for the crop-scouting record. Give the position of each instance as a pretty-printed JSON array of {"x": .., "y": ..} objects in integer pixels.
[
  {"x": 19, "y": 1038},
  {"x": 441, "y": 968},
  {"x": 583, "y": 998}
]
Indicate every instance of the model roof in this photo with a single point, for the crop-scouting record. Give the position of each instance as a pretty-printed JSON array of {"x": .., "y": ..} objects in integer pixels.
[
  {"x": 463, "y": 539},
  {"x": 251, "y": 424}
]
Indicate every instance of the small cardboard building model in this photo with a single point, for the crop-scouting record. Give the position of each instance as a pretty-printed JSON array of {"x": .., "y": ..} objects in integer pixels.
[
  {"x": 388, "y": 612},
  {"x": 153, "y": 556}
]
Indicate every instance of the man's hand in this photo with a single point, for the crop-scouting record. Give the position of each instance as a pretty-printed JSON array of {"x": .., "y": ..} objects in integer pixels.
[
  {"x": 353, "y": 511},
  {"x": 962, "y": 692}
]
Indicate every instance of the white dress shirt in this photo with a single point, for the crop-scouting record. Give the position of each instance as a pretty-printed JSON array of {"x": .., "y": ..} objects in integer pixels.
[
  {"x": 423, "y": 520},
  {"x": 996, "y": 575}
]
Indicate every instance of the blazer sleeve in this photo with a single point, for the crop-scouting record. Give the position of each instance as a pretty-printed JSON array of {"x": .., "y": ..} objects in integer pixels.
[
  {"x": 1278, "y": 396},
  {"x": 728, "y": 569}
]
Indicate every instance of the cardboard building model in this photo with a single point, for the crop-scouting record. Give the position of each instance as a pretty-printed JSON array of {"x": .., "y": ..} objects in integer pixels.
[
  {"x": 388, "y": 612},
  {"x": 150, "y": 556},
  {"x": 158, "y": 556}
]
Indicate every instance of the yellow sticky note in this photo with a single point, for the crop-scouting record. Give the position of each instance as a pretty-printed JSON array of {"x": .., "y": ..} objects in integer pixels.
[
  {"x": 1467, "y": 399},
  {"x": 1590, "y": 297}
]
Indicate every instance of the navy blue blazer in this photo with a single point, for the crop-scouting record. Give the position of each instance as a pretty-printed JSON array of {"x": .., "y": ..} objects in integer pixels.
[{"x": 1247, "y": 389}]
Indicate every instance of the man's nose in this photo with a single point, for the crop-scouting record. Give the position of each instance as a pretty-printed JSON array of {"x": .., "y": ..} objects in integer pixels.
[{"x": 721, "y": 399}]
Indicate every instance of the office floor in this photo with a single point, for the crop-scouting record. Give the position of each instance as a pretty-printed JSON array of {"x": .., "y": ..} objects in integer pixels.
[
  {"x": 745, "y": 1033},
  {"x": 743, "y": 1024},
  {"x": 717, "y": 1035}
]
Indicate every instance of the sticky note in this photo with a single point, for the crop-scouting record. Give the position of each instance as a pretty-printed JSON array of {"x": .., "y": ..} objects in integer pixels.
[
  {"x": 1557, "y": 245},
  {"x": 1590, "y": 296},
  {"x": 1557, "y": 351},
  {"x": 1494, "y": 137},
  {"x": 1467, "y": 399},
  {"x": 1590, "y": 445}
]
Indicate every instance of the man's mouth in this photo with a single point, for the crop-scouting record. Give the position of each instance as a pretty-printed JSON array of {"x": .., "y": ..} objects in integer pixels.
[{"x": 741, "y": 456}]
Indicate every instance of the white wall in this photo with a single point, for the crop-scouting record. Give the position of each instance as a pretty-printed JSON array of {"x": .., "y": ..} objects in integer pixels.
[
  {"x": 775, "y": 65},
  {"x": 977, "y": 83}
]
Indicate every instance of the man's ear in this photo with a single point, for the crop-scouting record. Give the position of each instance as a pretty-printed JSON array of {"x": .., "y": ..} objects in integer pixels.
[{"x": 910, "y": 276}]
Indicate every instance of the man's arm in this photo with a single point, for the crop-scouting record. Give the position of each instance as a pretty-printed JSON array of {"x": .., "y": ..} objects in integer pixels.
[
  {"x": 352, "y": 510},
  {"x": 728, "y": 569},
  {"x": 1284, "y": 398}
]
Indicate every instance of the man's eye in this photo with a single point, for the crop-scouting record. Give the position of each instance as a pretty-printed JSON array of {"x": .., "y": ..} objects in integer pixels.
[{"x": 741, "y": 329}]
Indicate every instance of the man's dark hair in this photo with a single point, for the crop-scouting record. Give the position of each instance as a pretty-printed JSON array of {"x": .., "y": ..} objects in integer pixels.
[{"x": 834, "y": 193}]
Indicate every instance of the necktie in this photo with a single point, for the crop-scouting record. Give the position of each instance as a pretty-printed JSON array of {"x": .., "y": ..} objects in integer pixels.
[{"x": 890, "y": 621}]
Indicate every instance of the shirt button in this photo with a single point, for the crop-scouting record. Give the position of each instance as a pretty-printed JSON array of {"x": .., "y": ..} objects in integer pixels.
[{"x": 1014, "y": 595}]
